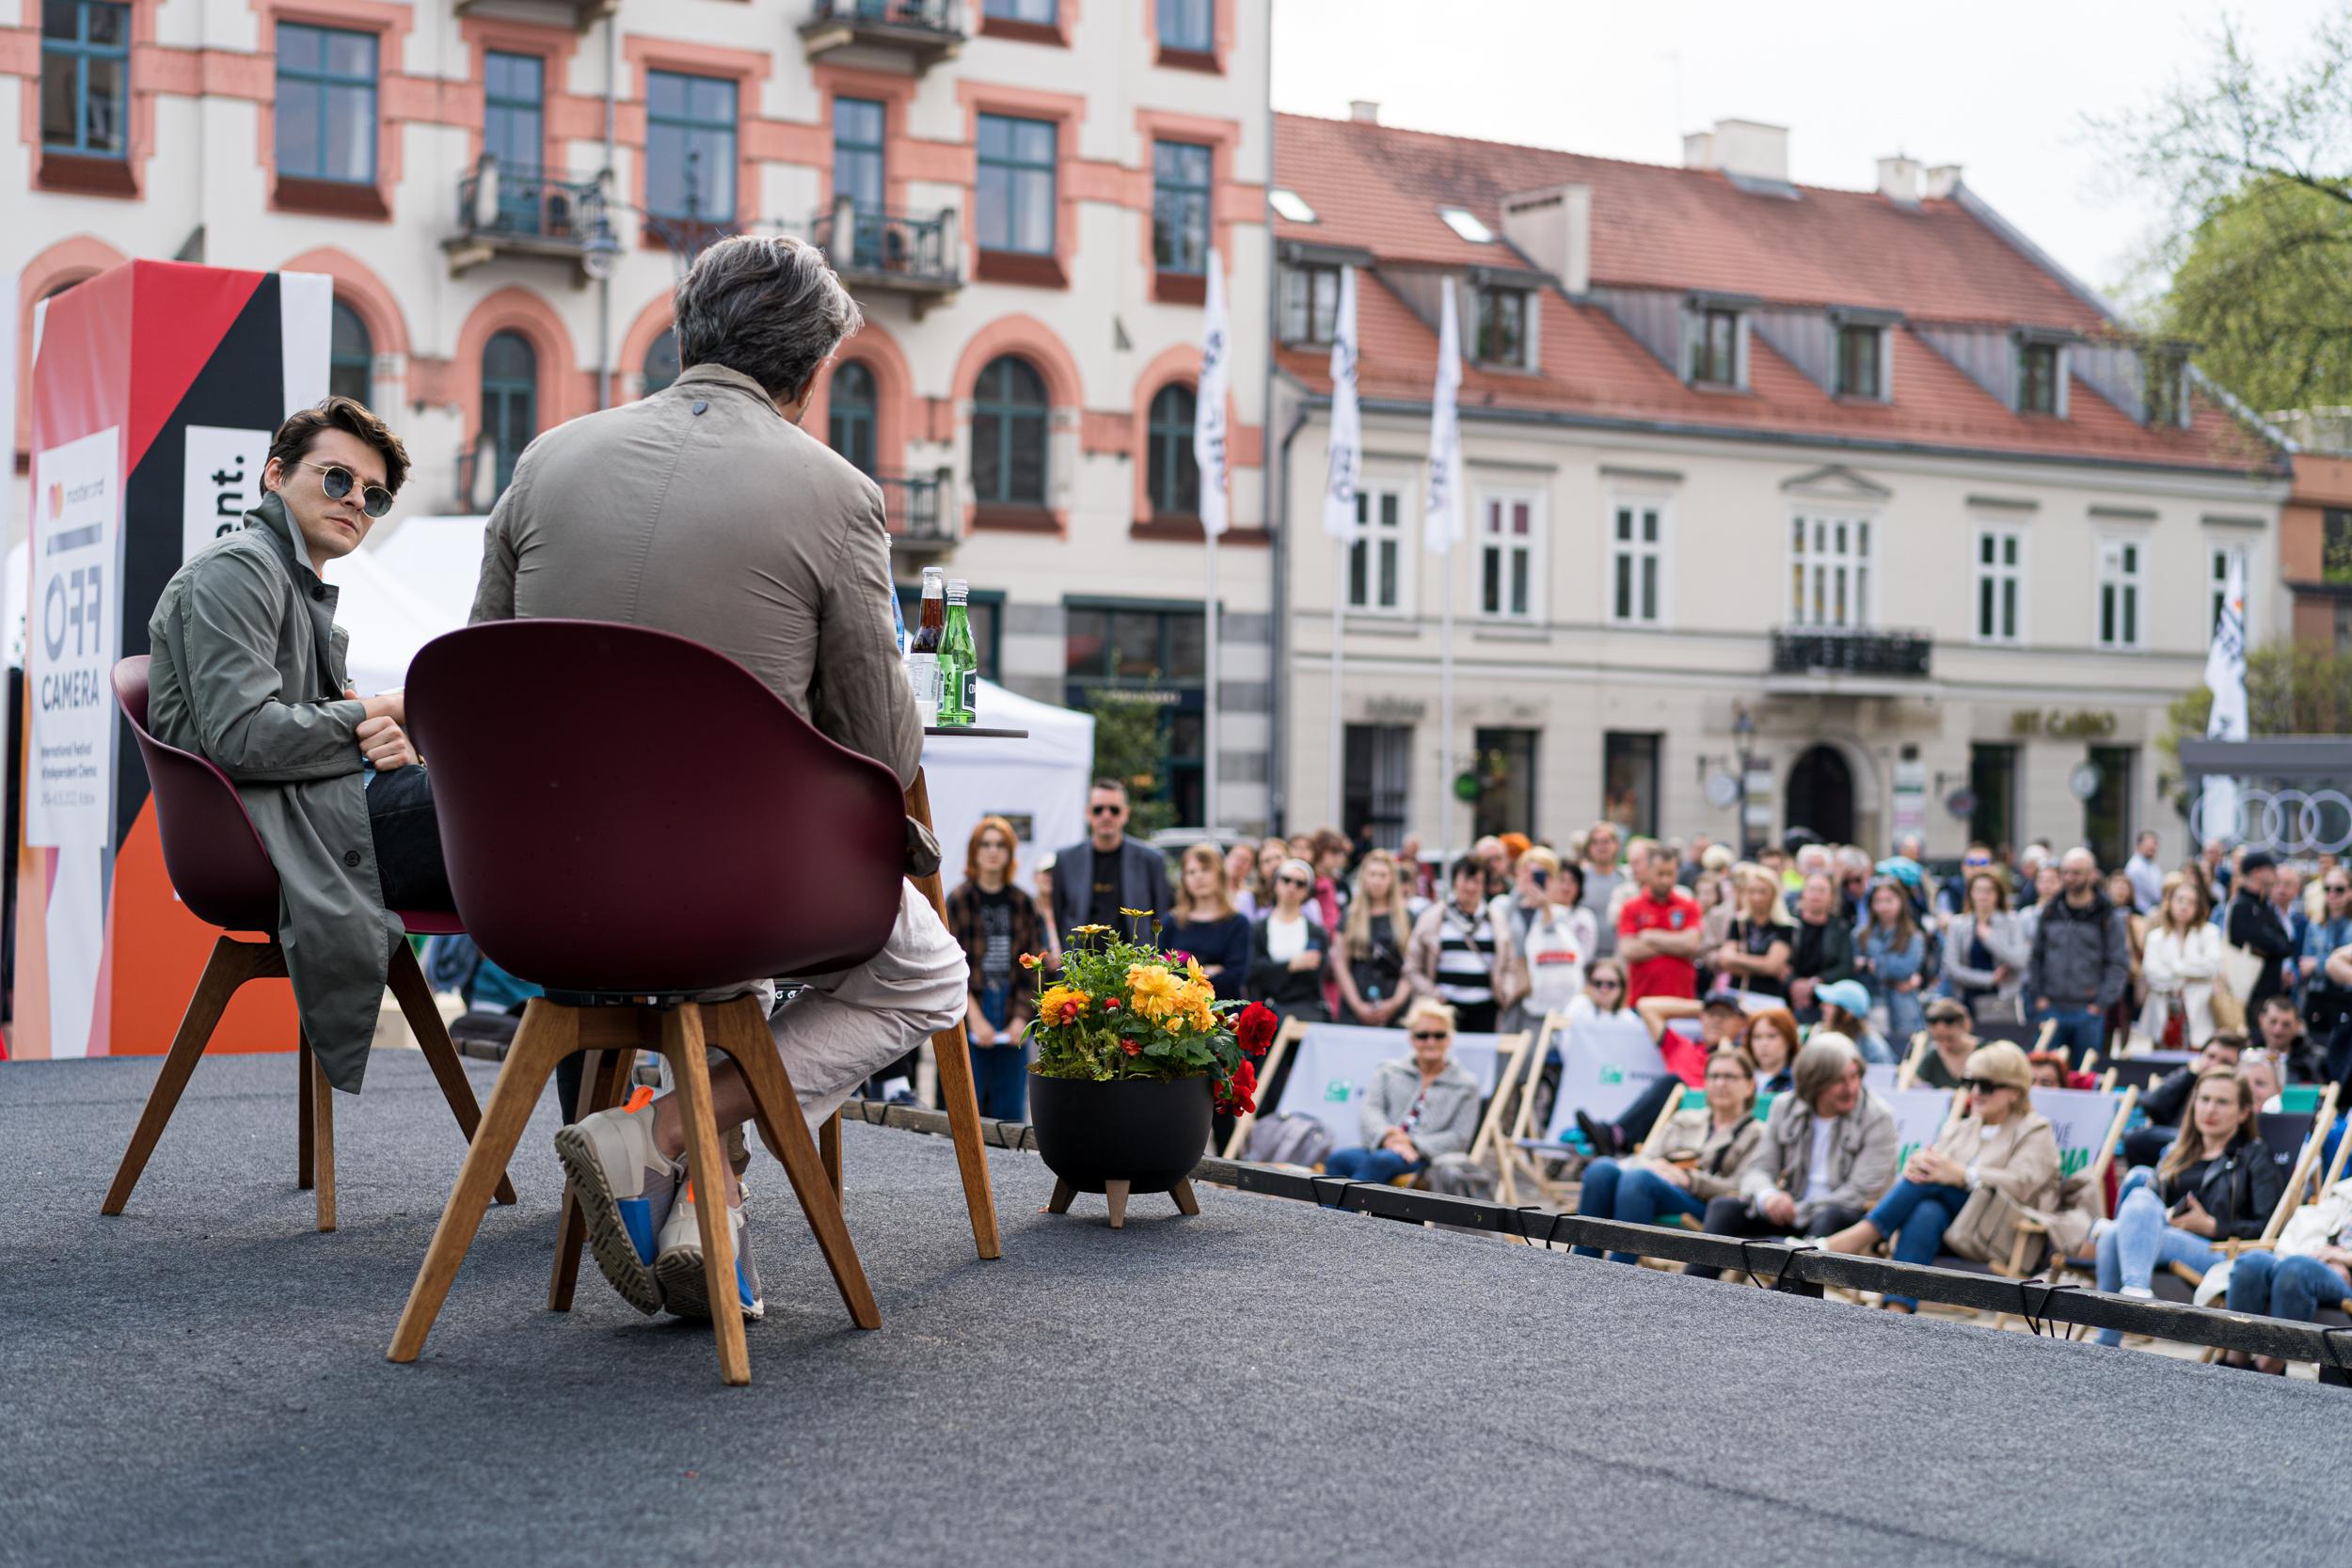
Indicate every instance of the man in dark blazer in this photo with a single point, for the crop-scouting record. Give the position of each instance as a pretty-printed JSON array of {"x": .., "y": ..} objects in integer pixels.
[
  {"x": 2255, "y": 924},
  {"x": 1108, "y": 871}
]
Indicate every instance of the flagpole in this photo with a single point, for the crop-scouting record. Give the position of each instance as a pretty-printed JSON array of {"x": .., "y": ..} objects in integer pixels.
[
  {"x": 1210, "y": 453},
  {"x": 1208, "y": 726},
  {"x": 1441, "y": 534},
  {"x": 1445, "y": 717},
  {"x": 1339, "y": 719},
  {"x": 1342, "y": 458}
]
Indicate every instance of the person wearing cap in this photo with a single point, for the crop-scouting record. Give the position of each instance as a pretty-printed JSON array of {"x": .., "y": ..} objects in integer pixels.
[
  {"x": 1827, "y": 1154},
  {"x": 1950, "y": 1045},
  {"x": 1846, "y": 1010},
  {"x": 1722, "y": 1023},
  {"x": 2081, "y": 958},
  {"x": 2256, "y": 925},
  {"x": 2001, "y": 1147}
]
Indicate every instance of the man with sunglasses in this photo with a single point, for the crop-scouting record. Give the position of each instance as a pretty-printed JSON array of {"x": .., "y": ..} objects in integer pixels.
[
  {"x": 251, "y": 671},
  {"x": 2327, "y": 1005},
  {"x": 1108, "y": 871}
]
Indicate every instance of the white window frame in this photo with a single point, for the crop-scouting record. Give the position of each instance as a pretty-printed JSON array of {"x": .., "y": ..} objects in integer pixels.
[
  {"x": 2128, "y": 582},
  {"x": 2016, "y": 575},
  {"x": 1658, "y": 552},
  {"x": 1491, "y": 541},
  {"x": 1404, "y": 535},
  {"x": 1840, "y": 593}
]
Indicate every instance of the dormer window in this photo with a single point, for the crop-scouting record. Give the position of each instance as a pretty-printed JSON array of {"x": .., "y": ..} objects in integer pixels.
[
  {"x": 1861, "y": 352},
  {"x": 1715, "y": 347},
  {"x": 2038, "y": 369},
  {"x": 1311, "y": 303},
  {"x": 2168, "y": 388},
  {"x": 1501, "y": 333},
  {"x": 1467, "y": 225}
]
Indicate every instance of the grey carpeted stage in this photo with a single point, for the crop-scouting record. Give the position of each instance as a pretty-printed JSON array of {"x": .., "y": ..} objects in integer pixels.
[{"x": 202, "y": 1380}]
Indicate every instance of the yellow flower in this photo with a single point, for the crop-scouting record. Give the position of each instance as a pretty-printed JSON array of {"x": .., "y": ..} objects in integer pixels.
[
  {"x": 1192, "y": 967},
  {"x": 1154, "y": 989},
  {"x": 1061, "y": 1004},
  {"x": 1135, "y": 914},
  {"x": 1090, "y": 930},
  {"x": 1197, "y": 1000}
]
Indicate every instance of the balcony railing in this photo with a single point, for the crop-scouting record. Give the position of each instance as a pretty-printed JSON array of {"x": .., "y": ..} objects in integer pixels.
[
  {"x": 906, "y": 252},
  {"x": 915, "y": 508},
  {"x": 926, "y": 31},
  {"x": 516, "y": 209},
  {"x": 1827, "y": 650}
]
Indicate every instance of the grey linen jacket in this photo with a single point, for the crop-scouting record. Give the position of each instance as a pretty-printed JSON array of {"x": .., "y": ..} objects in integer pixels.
[
  {"x": 702, "y": 511},
  {"x": 1449, "y": 1121},
  {"x": 248, "y": 668},
  {"x": 1861, "y": 1151}
]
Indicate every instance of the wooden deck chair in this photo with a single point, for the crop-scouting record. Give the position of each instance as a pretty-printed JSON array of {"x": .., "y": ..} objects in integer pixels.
[
  {"x": 2291, "y": 1192},
  {"x": 2335, "y": 1166},
  {"x": 1523, "y": 1156},
  {"x": 2299, "y": 1096},
  {"x": 2098, "y": 1148},
  {"x": 1283, "y": 1038},
  {"x": 1909, "y": 1075},
  {"x": 2106, "y": 1080},
  {"x": 1491, "y": 1137}
]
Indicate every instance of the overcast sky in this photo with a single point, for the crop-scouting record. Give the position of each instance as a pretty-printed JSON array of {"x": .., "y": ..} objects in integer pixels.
[{"x": 2002, "y": 87}]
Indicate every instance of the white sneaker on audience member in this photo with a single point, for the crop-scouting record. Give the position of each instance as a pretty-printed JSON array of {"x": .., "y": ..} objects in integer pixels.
[{"x": 679, "y": 1262}]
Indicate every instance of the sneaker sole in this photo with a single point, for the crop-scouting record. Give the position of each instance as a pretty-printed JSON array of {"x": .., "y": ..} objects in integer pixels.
[
  {"x": 684, "y": 1290},
  {"x": 608, "y": 1236}
]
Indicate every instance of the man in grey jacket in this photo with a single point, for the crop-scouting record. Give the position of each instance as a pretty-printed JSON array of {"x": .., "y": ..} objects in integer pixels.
[
  {"x": 1827, "y": 1155},
  {"x": 704, "y": 510},
  {"x": 249, "y": 671},
  {"x": 2082, "y": 957}
]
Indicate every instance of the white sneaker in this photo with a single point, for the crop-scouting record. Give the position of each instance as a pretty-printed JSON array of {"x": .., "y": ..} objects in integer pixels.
[
  {"x": 678, "y": 1263},
  {"x": 2138, "y": 1292},
  {"x": 624, "y": 1189}
]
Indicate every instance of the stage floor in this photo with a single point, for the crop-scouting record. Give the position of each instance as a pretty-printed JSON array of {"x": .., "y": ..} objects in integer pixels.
[{"x": 202, "y": 1381}]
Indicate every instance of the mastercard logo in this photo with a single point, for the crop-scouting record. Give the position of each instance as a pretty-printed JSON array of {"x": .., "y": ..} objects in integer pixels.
[{"x": 57, "y": 500}]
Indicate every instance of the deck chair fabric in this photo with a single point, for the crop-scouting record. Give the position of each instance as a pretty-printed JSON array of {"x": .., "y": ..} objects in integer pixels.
[
  {"x": 1919, "y": 1115},
  {"x": 1605, "y": 1064},
  {"x": 1332, "y": 1066},
  {"x": 1881, "y": 1078},
  {"x": 2137, "y": 1072}
]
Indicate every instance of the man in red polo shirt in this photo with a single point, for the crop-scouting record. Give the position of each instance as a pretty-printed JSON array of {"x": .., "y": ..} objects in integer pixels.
[{"x": 1657, "y": 935}]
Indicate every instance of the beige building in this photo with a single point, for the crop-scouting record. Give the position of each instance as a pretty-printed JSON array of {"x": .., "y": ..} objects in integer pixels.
[
  {"x": 1023, "y": 195},
  {"x": 1849, "y": 499}
]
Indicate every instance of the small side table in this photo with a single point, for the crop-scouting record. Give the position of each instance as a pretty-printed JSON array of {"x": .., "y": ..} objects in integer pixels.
[{"x": 951, "y": 1045}]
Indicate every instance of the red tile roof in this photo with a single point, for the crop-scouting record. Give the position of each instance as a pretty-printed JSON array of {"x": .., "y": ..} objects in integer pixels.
[{"x": 1379, "y": 188}]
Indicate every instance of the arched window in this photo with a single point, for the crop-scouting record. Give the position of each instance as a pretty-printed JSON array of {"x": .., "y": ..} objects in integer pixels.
[
  {"x": 1008, "y": 434},
  {"x": 1173, "y": 472},
  {"x": 350, "y": 358},
  {"x": 510, "y": 398},
  {"x": 662, "y": 365},
  {"x": 850, "y": 414}
]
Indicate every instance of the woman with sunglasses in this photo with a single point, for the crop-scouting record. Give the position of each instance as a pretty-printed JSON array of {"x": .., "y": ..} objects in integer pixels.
[
  {"x": 1696, "y": 1157},
  {"x": 1417, "y": 1108},
  {"x": 995, "y": 921},
  {"x": 2000, "y": 1146},
  {"x": 1951, "y": 1044},
  {"x": 1288, "y": 948}
]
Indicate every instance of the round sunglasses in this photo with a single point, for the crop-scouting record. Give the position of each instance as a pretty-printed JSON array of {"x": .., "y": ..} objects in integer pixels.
[{"x": 337, "y": 481}]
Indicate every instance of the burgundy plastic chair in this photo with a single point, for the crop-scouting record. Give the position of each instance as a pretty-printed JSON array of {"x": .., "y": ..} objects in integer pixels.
[
  {"x": 223, "y": 874},
  {"x": 630, "y": 818}
]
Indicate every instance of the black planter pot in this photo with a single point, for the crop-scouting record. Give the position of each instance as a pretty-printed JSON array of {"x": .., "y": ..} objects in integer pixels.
[{"x": 1145, "y": 1133}]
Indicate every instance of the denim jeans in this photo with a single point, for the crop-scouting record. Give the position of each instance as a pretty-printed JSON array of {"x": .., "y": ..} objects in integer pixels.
[
  {"x": 1371, "y": 1164},
  {"x": 1000, "y": 1072},
  {"x": 2144, "y": 1240},
  {"x": 1916, "y": 1214},
  {"x": 407, "y": 837},
  {"x": 2270, "y": 1286},
  {"x": 1611, "y": 1192},
  {"x": 2080, "y": 1030}
]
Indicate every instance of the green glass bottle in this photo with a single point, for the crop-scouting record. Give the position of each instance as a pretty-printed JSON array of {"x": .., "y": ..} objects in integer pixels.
[{"x": 958, "y": 664}]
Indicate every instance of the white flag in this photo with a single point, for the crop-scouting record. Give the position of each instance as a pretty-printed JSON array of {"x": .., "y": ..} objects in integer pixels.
[
  {"x": 1208, "y": 415},
  {"x": 2225, "y": 675},
  {"x": 1442, "y": 515},
  {"x": 1348, "y": 425}
]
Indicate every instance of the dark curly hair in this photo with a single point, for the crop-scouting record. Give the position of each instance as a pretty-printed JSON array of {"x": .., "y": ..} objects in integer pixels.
[{"x": 292, "y": 443}]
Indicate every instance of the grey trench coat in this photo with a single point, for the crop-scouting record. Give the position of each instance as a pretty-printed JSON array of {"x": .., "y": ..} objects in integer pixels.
[{"x": 249, "y": 671}]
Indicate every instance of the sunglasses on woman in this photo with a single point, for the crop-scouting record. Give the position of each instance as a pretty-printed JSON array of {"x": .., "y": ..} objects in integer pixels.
[
  {"x": 337, "y": 481},
  {"x": 1603, "y": 985},
  {"x": 1981, "y": 1086},
  {"x": 1430, "y": 1035}
]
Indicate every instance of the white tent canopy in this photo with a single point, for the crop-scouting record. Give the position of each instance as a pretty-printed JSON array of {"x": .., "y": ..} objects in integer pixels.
[{"x": 408, "y": 587}]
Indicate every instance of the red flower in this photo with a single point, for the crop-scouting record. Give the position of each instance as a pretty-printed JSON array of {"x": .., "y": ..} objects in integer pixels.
[
  {"x": 1255, "y": 1030},
  {"x": 1110, "y": 1004},
  {"x": 1238, "y": 1094},
  {"x": 1130, "y": 1047}
]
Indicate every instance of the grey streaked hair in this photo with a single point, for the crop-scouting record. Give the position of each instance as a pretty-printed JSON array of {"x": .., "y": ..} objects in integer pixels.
[
  {"x": 764, "y": 305},
  {"x": 1824, "y": 1060}
]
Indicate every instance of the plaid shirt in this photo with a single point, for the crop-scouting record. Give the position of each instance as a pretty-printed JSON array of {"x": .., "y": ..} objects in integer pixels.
[{"x": 971, "y": 931}]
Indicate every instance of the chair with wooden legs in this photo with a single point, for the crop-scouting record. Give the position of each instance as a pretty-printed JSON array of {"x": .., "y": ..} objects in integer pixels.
[
  {"x": 723, "y": 837},
  {"x": 223, "y": 874}
]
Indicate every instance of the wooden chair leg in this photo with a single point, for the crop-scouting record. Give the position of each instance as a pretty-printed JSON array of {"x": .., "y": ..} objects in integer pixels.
[
  {"x": 829, "y": 1150},
  {"x": 601, "y": 1080},
  {"x": 324, "y": 1118},
  {"x": 306, "y": 1148},
  {"x": 742, "y": 1034},
  {"x": 231, "y": 964},
  {"x": 1116, "y": 1192},
  {"x": 424, "y": 1022},
  {"x": 549, "y": 1032},
  {"x": 1186, "y": 1202},
  {"x": 706, "y": 1166},
  {"x": 954, "y": 1056}
]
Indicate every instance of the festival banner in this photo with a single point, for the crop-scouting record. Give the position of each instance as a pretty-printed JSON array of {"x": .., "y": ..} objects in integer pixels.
[{"x": 154, "y": 390}]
